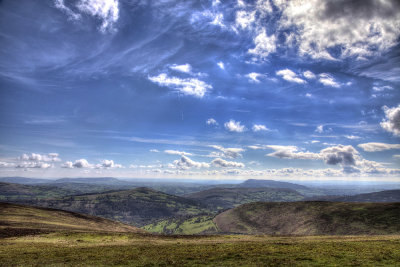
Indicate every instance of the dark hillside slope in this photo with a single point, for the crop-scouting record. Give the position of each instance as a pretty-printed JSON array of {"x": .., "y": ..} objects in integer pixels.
[
  {"x": 311, "y": 218},
  {"x": 21, "y": 220},
  {"x": 139, "y": 206},
  {"x": 225, "y": 198}
]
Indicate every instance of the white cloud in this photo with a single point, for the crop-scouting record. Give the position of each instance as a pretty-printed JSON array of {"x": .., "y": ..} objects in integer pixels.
[
  {"x": 154, "y": 150},
  {"x": 186, "y": 68},
  {"x": 320, "y": 129},
  {"x": 259, "y": 127},
  {"x": 373, "y": 147},
  {"x": 290, "y": 76},
  {"x": 176, "y": 152},
  {"x": 6, "y": 164},
  {"x": 108, "y": 164},
  {"x": 33, "y": 164},
  {"x": 191, "y": 86},
  {"x": 218, "y": 162},
  {"x": 309, "y": 75},
  {"x": 382, "y": 88},
  {"x": 51, "y": 157},
  {"x": 253, "y": 77},
  {"x": 228, "y": 152},
  {"x": 221, "y": 65},
  {"x": 264, "y": 45},
  {"x": 80, "y": 163},
  {"x": 186, "y": 163},
  {"x": 308, "y": 95},
  {"x": 352, "y": 137},
  {"x": 291, "y": 152},
  {"x": 212, "y": 121},
  {"x": 328, "y": 80},
  {"x": 234, "y": 126},
  {"x": 105, "y": 10},
  {"x": 323, "y": 25},
  {"x": 244, "y": 19},
  {"x": 392, "y": 121}
]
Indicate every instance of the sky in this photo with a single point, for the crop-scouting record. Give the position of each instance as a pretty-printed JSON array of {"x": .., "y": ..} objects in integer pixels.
[{"x": 265, "y": 89}]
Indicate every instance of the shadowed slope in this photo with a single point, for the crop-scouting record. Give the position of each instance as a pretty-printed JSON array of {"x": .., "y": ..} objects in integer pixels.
[
  {"x": 311, "y": 218},
  {"x": 22, "y": 220}
]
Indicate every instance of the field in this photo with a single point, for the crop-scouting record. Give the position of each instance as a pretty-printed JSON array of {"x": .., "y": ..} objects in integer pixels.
[{"x": 117, "y": 249}]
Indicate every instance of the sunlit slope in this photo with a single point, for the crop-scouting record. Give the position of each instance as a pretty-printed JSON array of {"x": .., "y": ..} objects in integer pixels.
[
  {"x": 311, "y": 218},
  {"x": 225, "y": 198},
  {"x": 139, "y": 206},
  {"x": 21, "y": 220}
]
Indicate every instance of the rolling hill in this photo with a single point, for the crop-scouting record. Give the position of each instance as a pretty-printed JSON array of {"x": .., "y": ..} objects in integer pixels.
[
  {"x": 226, "y": 198},
  {"x": 311, "y": 218},
  {"x": 255, "y": 183},
  {"x": 139, "y": 206},
  {"x": 382, "y": 196},
  {"x": 14, "y": 192},
  {"x": 18, "y": 220}
]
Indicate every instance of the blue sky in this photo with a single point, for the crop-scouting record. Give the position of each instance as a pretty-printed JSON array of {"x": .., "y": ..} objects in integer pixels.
[{"x": 200, "y": 89}]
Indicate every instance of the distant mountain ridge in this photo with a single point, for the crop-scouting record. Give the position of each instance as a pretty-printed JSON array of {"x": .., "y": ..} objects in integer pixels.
[
  {"x": 382, "y": 196},
  {"x": 255, "y": 183}
]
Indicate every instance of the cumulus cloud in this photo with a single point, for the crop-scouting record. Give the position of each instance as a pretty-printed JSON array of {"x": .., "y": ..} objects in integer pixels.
[
  {"x": 235, "y": 126},
  {"x": 344, "y": 155},
  {"x": 212, "y": 121},
  {"x": 33, "y": 164},
  {"x": 259, "y": 128},
  {"x": 80, "y": 163},
  {"x": 227, "y": 152},
  {"x": 254, "y": 77},
  {"x": 373, "y": 147},
  {"x": 186, "y": 163},
  {"x": 108, "y": 164},
  {"x": 392, "y": 121},
  {"x": 154, "y": 150},
  {"x": 264, "y": 45},
  {"x": 51, "y": 157},
  {"x": 291, "y": 152},
  {"x": 107, "y": 11},
  {"x": 176, "y": 152},
  {"x": 190, "y": 86},
  {"x": 323, "y": 25},
  {"x": 290, "y": 76},
  {"x": 6, "y": 164},
  {"x": 218, "y": 162},
  {"x": 309, "y": 75},
  {"x": 328, "y": 80}
]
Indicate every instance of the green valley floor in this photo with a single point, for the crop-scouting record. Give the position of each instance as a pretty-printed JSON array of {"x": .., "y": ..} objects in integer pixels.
[{"x": 138, "y": 249}]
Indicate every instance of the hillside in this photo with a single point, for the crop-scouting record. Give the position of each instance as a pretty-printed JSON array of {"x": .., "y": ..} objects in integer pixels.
[
  {"x": 225, "y": 198},
  {"x": 21, "y": 220},
  {"x": 311, "y": 218},
  {"x": 382, "y": 196},
  {"x": 254, "y": 183},
  {"x": 12, "y": 192},
  {"x": 139, "y": 206}
]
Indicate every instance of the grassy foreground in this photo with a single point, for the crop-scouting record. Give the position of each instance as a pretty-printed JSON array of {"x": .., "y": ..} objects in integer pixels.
[{"x": 133, "y": 249}]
